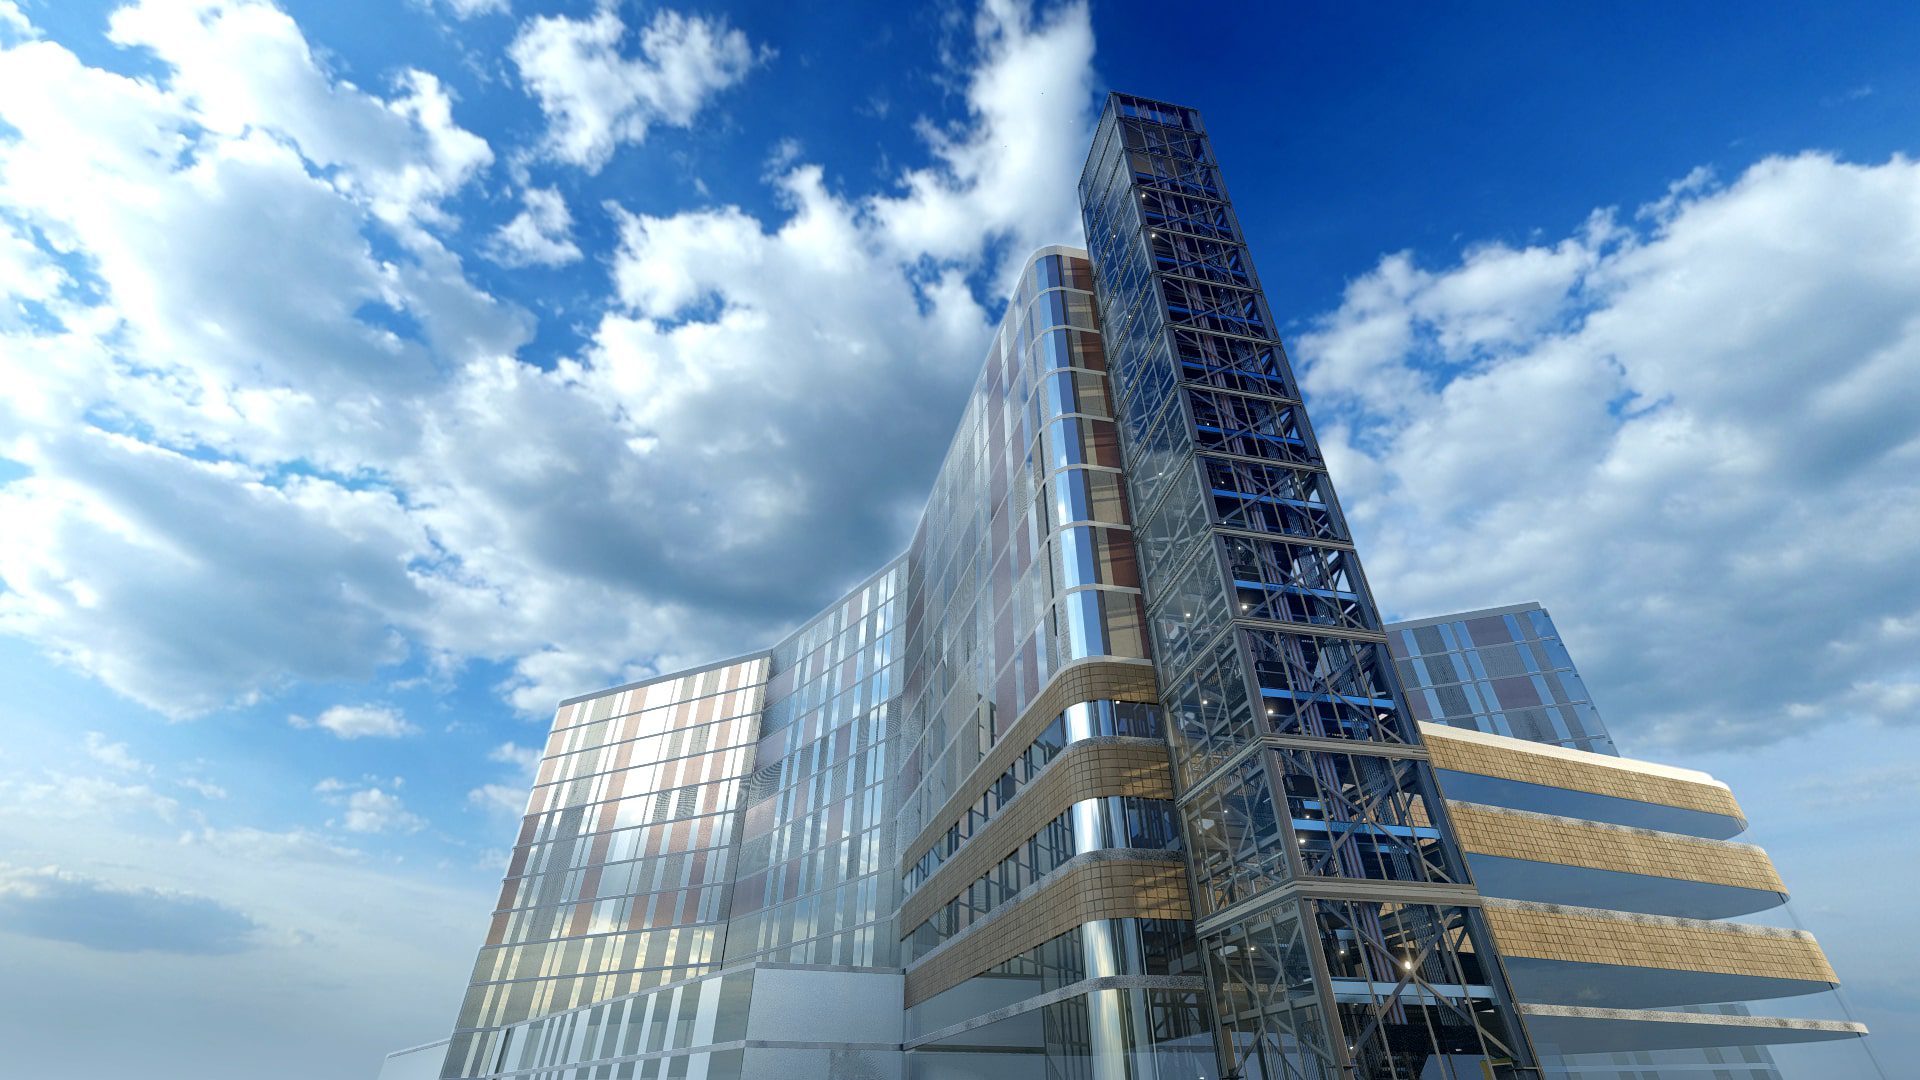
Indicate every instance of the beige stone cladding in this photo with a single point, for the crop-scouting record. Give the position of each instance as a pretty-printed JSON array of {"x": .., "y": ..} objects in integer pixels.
[
  {"x": 1084, "y": 680},
  {"x": 1081, "y": 891},
  {"x": 1577, "y": 770},
  {"x": 1096, "y": 768},
  {"x": 1518, "y": 834},
  {"x": 1593, "y": 936}
]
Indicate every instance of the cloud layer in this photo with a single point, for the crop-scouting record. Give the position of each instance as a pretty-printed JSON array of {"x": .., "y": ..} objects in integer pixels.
[
  {"x": 275, "y": 434},
  {"x": 51, "y": 903},
  {"x": 1695, "y": 436}
]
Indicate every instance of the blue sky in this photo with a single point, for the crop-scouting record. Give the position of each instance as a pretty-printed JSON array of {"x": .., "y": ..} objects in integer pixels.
[{"x": 378, "y": 375}]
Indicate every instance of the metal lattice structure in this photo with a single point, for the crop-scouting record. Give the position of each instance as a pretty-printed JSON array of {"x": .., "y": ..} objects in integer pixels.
[{"x": 1342, "y": 933}]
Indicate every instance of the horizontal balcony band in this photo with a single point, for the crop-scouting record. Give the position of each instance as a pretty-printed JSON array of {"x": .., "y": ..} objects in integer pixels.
[
  {"x": 1096, "y": 679},
  {"x": 1646, "y": 894},
  {"x": 1565, "y": 955},
  {"x": 1498, "y": 756},
  {"x": 1546, "y": 838},
  {"x": 1112, "y": 884},
  {"x": 1104, "y": 767}
]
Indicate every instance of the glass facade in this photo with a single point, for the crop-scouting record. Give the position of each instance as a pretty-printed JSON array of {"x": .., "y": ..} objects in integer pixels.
[
  {"x": 618, "y": 879},
  {"x": 815, "y": 875},
  {"x": 1499, "y": 670},
  {"x": 1024, "y": 561},
  {"x": 1115, "y": 773}
]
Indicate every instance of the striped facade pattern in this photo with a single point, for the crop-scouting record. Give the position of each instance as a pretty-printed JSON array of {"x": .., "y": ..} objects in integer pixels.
[
  {"x": 1519, "y": 834},
  {"x": 1592, "y": 936},
  {"x": 1087, "y": 680},
  {"x": 1088, "y": 887},
  {"x": 1093, "y": 769},
  {"x": 1575, "y": 770}
]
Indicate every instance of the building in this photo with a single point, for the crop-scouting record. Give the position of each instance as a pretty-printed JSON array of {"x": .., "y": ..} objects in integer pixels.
[
  {"x": 1111, "y": 775},
  {"x": 1505, "y": 671},
  {"x": 1499, "y": 670}
]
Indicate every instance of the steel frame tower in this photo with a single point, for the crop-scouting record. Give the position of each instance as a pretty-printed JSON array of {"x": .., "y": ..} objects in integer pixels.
[{"x": 1343, "y": 935}]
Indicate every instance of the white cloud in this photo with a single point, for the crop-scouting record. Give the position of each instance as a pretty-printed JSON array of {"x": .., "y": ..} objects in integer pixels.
[
  {"x": 204, "y": 789},
  {"x": 14, "y": 20},
  {"x": 1010, "y": 170},
  {"x": 540, "y": 235},
  {"x": 467, "y": 9},
  {"x": 59, "y": 905},
  {"x": 241, "y": 64},
  {"x": 308, "y": 896},
  {"x": 500, "y": 799},
  {"x": 179, "y": 535},
  {"x": 59, "y": 795},
  {"x": 254, "y": 845},
  {"x": 508, "y": 800},
  {"x": 359, "y": 722},
  {"x": 374, "y": 810},
  {"x": 596, "y": 95},
  {"x": 524, "y": 758},
  {"x": 369, "y": 807},
  {"x": 246, "y": 471},
  {"x": 1696, "y": 441},
  {"x": 115, "y": 755}
]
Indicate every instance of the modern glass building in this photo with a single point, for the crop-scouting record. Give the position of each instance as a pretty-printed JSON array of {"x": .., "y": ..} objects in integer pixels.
[
  {"x": 1501, "y": 670},
  {"x": 1116, "y": 774}
]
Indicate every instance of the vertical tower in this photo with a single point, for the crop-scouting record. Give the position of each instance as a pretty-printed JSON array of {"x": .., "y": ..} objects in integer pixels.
[{"x": 1342, "y": 935}]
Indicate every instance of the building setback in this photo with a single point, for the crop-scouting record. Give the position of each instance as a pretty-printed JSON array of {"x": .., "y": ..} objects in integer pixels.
[{"x": 1113, "y": 775}]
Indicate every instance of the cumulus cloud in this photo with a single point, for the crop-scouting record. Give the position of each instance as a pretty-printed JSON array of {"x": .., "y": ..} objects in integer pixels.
[
  {"x": 524, "y": 758},
  {"x": 540, "y": 235},
  {"x": 57, "y": 905},
  {"x": 14, "y": 20},
  {"x": 213, "y": 362},
  {"x": 273, "y": 433},
  {"x": 359, "y": 722},
  {"x": 508, "y": 800},
  {"x": 403, "y": 154},
  {"x": 1695, "y": 438},
  {"x": 503, "y": 800},
  {"x": 467, "y": 9},
  {"x": 370, "y": 806},
  {"x": 1010, "y": 170},
  {"x": 114, "y": 755},
  {"x": 204, "y": 788},
  {"x": 597, "y": 94}
]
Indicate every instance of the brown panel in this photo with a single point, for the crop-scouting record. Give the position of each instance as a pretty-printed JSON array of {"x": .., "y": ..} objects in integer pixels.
[
  {"x": 1592, "y": 936},
  {"x": 1085, "y": 680},
  {"x": 1515, "y": 834},
  {"x": 1087, "y": 770},
  {"x": 1576, "y": 770},
  {"x": 1076, "y": 894}
]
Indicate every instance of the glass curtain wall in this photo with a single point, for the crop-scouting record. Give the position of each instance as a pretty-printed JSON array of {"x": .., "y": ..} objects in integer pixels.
[
  {"x": 814, "y": 880},
  {"x": 618, "y": 879}
]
